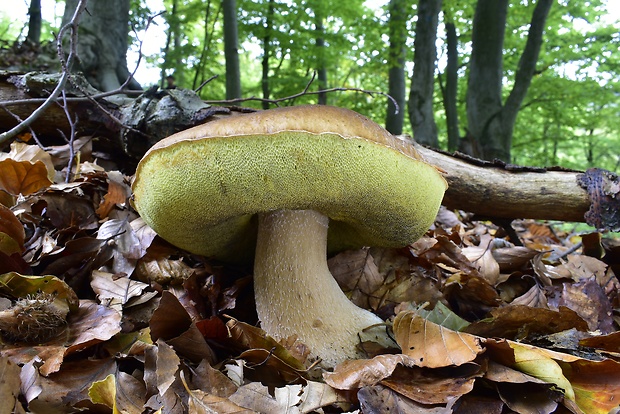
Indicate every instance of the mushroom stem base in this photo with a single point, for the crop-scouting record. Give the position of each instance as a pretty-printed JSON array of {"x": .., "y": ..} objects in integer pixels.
[{"x": 295, "y": 292}]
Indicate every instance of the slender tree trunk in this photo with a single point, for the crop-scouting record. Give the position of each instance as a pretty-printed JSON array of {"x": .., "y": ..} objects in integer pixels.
[
  {"x": 421, "y": 112},
  {"x": 231, "y": 52},
  {"x": 34, "y": 23},
  {"x": 451, "y": 89},
  {"x": 320, "y": 51},
  {"x": 266, "y": 53},
  {"x": 397, "y": 26},
  {"x": 491, "y": 123}
]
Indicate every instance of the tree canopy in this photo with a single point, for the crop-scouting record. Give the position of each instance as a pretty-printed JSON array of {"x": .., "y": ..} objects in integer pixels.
[{"x": 567, "y": 116}]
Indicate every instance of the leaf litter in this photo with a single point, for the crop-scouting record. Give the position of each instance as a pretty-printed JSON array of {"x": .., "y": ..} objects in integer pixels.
[{"x": 137, "y": 325}]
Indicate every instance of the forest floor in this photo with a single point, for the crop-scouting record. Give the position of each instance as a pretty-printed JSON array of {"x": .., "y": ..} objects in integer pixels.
[{"x": 99, "y": 313}]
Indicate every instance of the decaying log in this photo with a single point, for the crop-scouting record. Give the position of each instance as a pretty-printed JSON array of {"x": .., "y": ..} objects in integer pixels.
[{"x": 496, "y": 190}]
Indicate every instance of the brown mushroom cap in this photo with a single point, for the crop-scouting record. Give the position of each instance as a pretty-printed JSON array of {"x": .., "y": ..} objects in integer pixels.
[{"x": 200, "y": 189}]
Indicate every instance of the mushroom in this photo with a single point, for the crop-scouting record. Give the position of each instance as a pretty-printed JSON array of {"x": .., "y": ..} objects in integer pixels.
[{"x": 296, "y": 183}]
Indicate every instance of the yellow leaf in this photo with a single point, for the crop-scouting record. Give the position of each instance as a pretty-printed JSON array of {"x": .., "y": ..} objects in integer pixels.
[
  {"x": 104, "y": 392},
  {"x": 538, "y": 364}
]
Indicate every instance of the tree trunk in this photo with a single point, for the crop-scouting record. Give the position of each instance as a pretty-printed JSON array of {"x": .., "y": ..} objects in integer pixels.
[
  {"x": 266, "y": 52},
  {"x": 320, "y": 52},
  {"x": 451, "y": 89},
  {"x": 34, "y": 23},
  {"x": 397, "y": 26},
  {"x": 102, "y": 44},
  {"x": 490, "y": 123},
  {"x": 421, "y": 112},
  {"x": 231, "y": 51}
]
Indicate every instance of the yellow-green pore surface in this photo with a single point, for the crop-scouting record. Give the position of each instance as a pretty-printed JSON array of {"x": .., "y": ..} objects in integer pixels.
[{"x": 202, "y": 195}]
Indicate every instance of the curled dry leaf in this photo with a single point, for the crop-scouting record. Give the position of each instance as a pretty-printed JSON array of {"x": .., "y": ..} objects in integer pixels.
[
  {"x": 23, "y": 177},
  {"x": 431, "y": 345},
  {"x": 354, "y": 374},
  {"x": 427, "y": 386}
]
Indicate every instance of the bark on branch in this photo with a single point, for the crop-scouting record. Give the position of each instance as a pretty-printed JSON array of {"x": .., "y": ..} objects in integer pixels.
[{"x": 501, "y": 191}]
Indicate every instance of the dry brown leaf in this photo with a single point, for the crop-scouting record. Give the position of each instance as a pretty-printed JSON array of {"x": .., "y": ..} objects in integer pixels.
[
  {"x": 68, "y": 388},
  {"x": 379, "y": 399},
  {"x": 482, "y": 257},
  {"x": 121, "y": 392},
  {"x": 33, "y": 153},
  {"x": 358, "y": 276},
  {"x": 529, "y": 398},
  {"x": 172, "y": 323},
  {"x": 9, "y": 386},
  {"x": 255, "y": 396},
  {"x": 430, "y": 386},
  {"x": 201, "y": 402},
  {"x": 431, "y": 345},
  {"x": 92, "y": 324},
  {"x": 589, "y": 300},
  {"x": 212, "y": 381},
  {"x": 353, "y": 374},
  {"x": 534, "y": 297},
  {"x": 519, "y": 322},
  {"x": 251, "y": 337},
  {"x": 513, "y": 258},
  {"x": 23, "y": 177},
  {"x": 114, "y": 290},
  {"x": 12, "y": 232},
  {"x": 117, "y": 195}
]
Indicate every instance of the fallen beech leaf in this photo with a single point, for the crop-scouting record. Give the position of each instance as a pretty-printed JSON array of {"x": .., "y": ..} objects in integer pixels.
[
  {"x": 172, "y": 323},
  {"x": 201, "y": 402},
  {"x": 358, "y": 276},
  {"x": 104, "y": 392},
  {"x": 315, "y": 395},
  {"x": 115, "y": 290},
  {"x": 596, "y": 384},
  {"x": 12, "y": 232},
  {"x": 117, "y": 195},
  {"x": 353, "y": 374},
  {"x": 9, "y": 386},
  {"x": 212, "y": 381},
  {"x": 520, "y": 321},
  {"x": 513, "y": 258},
  {"x": 431, "y": 345},
  {"x": 442, "y": 315},
  {"x": 33, "y": 153},
  {"x": 529, "y": 398},
  {"x": 251, "y": 337},
  {"x": 63, "y": 390},
  {"x": 255, "y": 396},
  {"x": 537, "y": 362},
  {"x": 18, "y": 286},
  {"x": 427, "y": 386},
  {"x": 482, "y": 257},
  {"x": 23, "y": 177},
  {"x": 589, "y": 300},
  {"x": 91, "y": 324},
  {"x": 167, "y": 366},
  {"x": 380, "y": 399}
]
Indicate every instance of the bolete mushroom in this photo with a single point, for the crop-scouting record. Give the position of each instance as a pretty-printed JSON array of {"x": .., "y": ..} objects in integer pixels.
[{"x": 295, "y": 183}]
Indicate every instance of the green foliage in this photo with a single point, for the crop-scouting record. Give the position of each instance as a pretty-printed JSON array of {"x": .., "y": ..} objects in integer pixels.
[{"x": 569, "y": 117}]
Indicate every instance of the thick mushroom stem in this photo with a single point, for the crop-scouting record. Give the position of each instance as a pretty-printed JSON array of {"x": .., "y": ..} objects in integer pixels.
[{"x": 295, "y": 292}]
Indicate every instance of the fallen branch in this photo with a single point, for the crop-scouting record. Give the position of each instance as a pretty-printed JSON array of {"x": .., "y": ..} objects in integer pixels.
[{"x": 496, "y": 190}]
